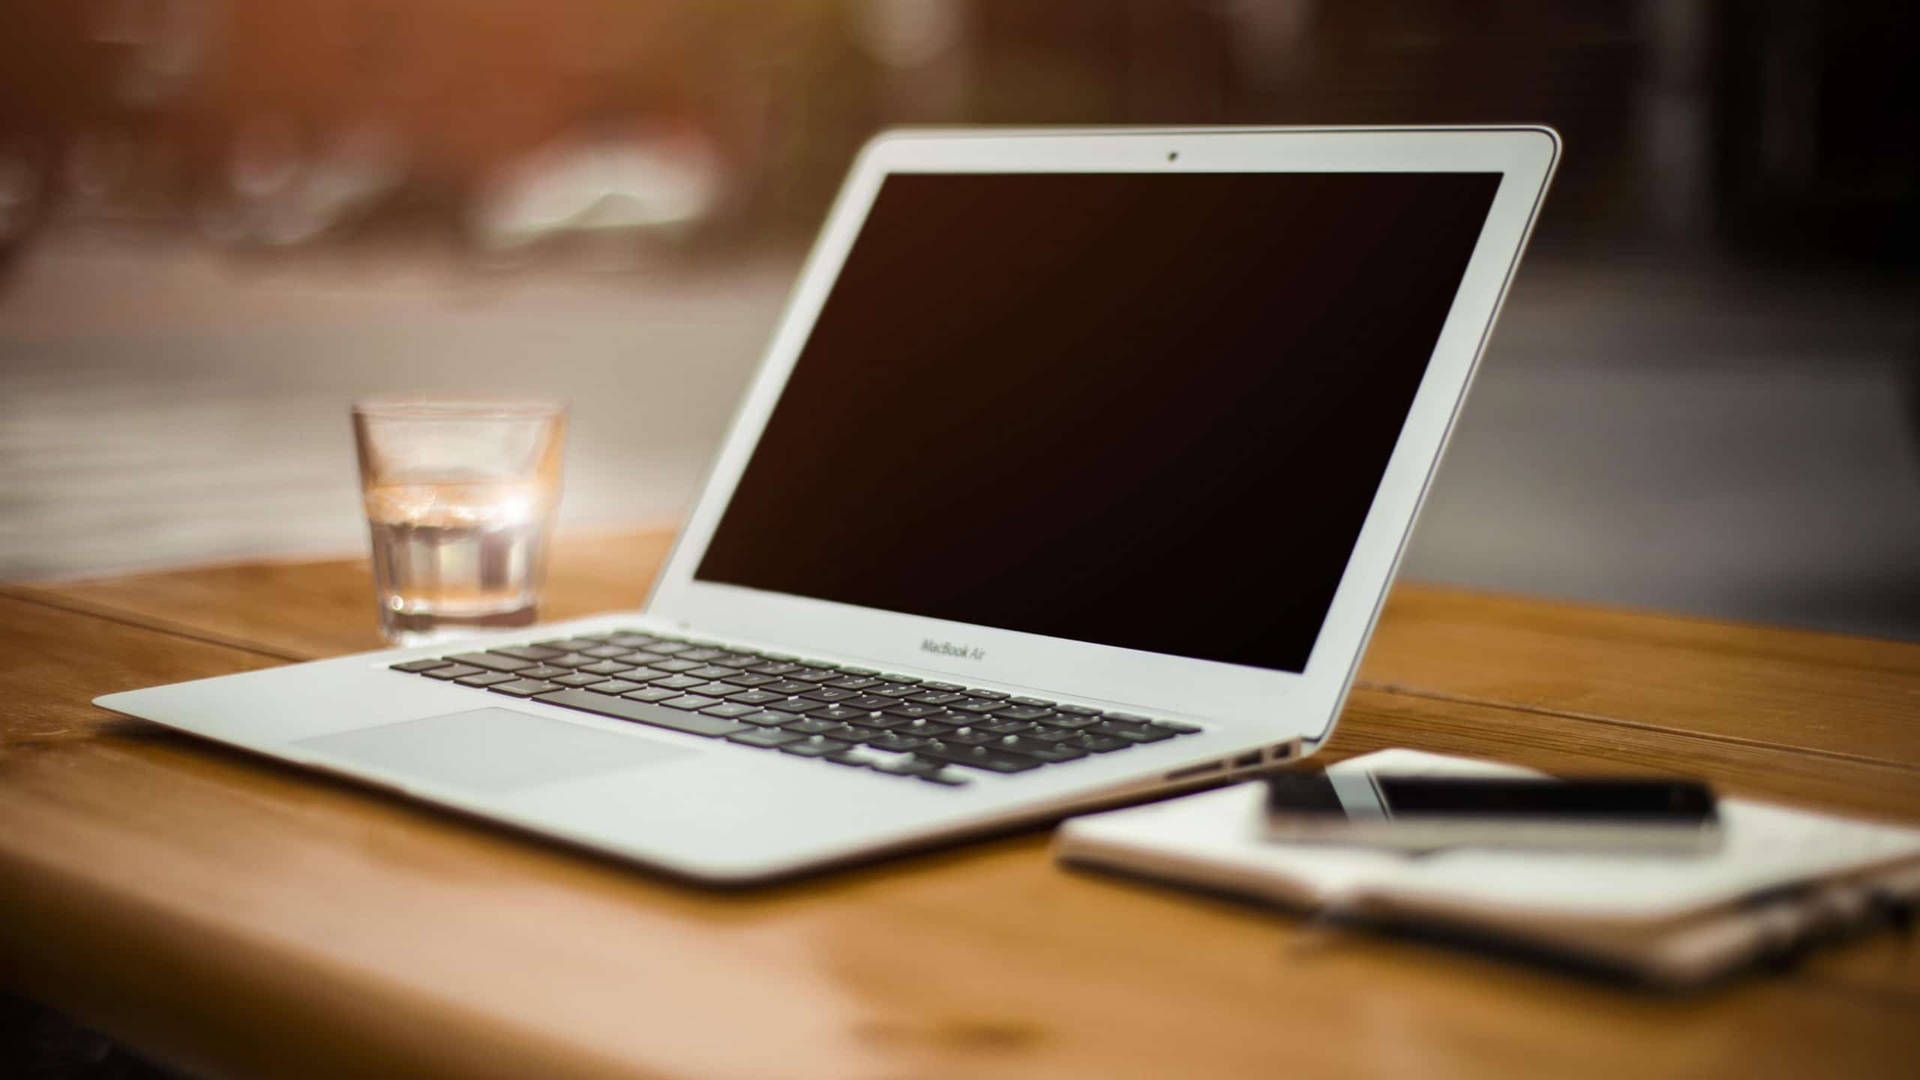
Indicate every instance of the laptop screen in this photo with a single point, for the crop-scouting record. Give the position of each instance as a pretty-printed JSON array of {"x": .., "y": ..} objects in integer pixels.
[{"x": 1141, "y": 410}]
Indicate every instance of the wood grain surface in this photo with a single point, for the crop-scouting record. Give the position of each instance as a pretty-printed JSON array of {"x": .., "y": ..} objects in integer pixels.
[
  {"x": 1829, "y": 694},
  {"x": 246, "y": 919},
  {"x": 307, "y": 610}
]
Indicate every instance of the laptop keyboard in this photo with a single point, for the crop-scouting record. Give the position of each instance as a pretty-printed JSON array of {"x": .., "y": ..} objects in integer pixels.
[{"x": 848, "y": 716}]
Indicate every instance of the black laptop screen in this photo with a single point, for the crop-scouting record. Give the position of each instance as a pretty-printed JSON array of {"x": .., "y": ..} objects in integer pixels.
[{"x": 1143, "y": 410}]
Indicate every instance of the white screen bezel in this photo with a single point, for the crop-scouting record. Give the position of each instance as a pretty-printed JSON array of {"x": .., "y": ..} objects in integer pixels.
[{"x": 1288, "y": 703}]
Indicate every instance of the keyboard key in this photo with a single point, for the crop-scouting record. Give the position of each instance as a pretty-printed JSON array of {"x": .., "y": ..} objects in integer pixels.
[
  {"x": 1023, "y": 712},
  {"x": 967, "y": 736},
  {"x": 713, "y": 671},
  {"x": 714, "y": 689},
  {"x": 904, "y": 679},
  {"x": 994, "y": 694},
  {"x": 925, "y": 727},
  {"x": 605, "y": 652},
  {"x": 808, "y": 725},
  {"x": 1178, "y": 728},
  {"x": 853, "y": 683},
  {"x": 913, "y": 711},
  {"x": 827, "y": 695},
  {"x": 675, "y": 666},
  {"x": 749, "y": 679},
  {"x": 813, "y": 675},
  {"x": 977, "y": 757},
  {"x": 728, "y": 710},
  {"x": 895, "y": 742},
  {"x": 572, "y": 660},
  {"x": 1038, "y": 703},
  {"x": 815, "y": 746},
  {"x": 737, "y": 659},
  {"x": 1098, "y": 744},
  {"x": 531, "y": 652},
  {"x": 702, "y": 655},
  {"x": 787, "y": 686},
  {"x": 1002, "y": 725},
  {"x": 1044, "y": 751},
  {"x": 754, "y": 697},
  {"x": 632, "y": 641},
  {"x": 608, "y": 667},
  {"x": 651, "y": 694},
  {"x": 842, "y": 713},
  {"x": 614, "y": 686},
  {"x": 765, "y": 738},
  {"x": 975, "y": 705},
  {"x": 491, "y": 661},
  {"x": 676, "y": 682},
  {"x": 911, "y": 767},
  {"x": 773, "y": 667},
  {"x": 821, "y": 664},
  {"x": 453, "y": 671},
  {"x": 1070, "y": 721},
  {"x": 868, "y": 703},
  {"x": 414, "y": 667},
  {"x": 667, "y": 648},
  {"x": 942, "y": 686},
  {"x": 937, "y": 697},
  {"x": 770, "y": 718},
  {"x": 639, "y": 712},
  {"x": 896, "y": 690},
  {"x": 568, "y": 645},
  {"x": 690, "y": 702},
  {"x": 541, "y": 671},
  {"x": 798, "y": 705},
  {"x": 523, "y": 687},
  {"x": 1077, "y": 710},
  {"x": 486, "y": 678},
  {"x": 1128, "y": 732}
]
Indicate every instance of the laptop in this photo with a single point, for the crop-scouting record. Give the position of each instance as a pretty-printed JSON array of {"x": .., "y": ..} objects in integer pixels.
[{"x": 1076, "y": 471}]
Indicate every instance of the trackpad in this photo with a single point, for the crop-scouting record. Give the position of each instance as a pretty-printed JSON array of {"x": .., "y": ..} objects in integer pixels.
[{"x": 493, "y": 750}]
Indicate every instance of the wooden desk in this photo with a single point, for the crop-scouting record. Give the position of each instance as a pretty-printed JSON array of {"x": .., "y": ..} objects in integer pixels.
[{"x": 247, "y": 919}]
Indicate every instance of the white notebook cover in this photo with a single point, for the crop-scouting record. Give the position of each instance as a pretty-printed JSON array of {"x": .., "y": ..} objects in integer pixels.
[{"x": 1778, "y": 875}]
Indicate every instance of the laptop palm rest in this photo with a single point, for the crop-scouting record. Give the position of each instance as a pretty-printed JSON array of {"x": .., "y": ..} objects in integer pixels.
[{"x": 492, "y": 750}]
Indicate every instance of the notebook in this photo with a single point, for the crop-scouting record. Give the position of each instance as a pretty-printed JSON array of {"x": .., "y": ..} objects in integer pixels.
[{"x": 1781, "y": 879}]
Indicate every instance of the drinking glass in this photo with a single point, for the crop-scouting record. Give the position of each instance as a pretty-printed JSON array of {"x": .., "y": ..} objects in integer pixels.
[{"x": 460, "y": 496}]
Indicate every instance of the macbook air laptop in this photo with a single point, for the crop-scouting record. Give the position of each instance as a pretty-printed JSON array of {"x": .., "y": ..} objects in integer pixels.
[{"x": 1076, "y": 470}]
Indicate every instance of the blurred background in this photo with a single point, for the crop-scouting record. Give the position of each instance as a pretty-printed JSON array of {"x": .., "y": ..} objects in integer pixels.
[{"x": 220, "y": 220}]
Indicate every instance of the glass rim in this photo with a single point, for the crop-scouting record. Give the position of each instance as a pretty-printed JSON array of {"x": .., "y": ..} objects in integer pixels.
[{"x": 448, "y": 407}]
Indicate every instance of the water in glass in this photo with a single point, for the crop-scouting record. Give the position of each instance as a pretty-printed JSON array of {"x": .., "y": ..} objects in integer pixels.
[{"x": 453, "y": 555}]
